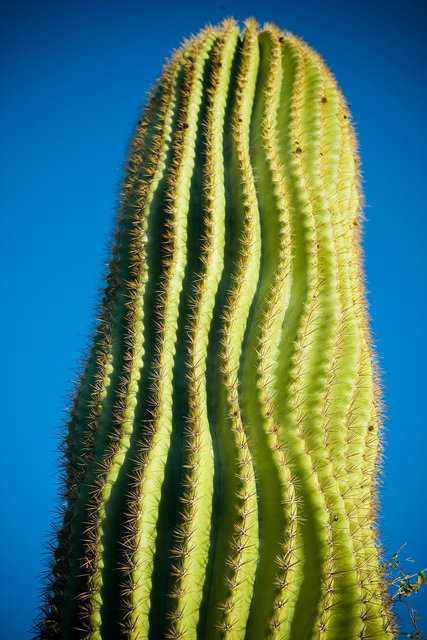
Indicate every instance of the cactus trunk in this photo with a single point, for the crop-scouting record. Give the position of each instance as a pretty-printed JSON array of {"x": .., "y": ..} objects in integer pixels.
[{"x": 223, "y": 446}]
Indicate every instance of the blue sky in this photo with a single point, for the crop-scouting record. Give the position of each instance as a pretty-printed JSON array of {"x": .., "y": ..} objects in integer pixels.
[{"x": 75, "y": 77}]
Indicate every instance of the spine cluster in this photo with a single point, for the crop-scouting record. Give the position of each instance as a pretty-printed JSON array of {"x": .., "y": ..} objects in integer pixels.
[{"x": 223, "y": 446}]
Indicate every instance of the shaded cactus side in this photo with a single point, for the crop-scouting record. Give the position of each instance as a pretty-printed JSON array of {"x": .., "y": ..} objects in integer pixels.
[{"x": 223, "y": 447}]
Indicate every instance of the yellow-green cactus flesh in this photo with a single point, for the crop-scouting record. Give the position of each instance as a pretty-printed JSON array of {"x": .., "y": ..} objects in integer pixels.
[{"x": 223, "y": 448}]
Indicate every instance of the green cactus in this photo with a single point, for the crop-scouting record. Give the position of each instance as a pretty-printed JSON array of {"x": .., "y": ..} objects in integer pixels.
[{"x": 223, "y": 448}]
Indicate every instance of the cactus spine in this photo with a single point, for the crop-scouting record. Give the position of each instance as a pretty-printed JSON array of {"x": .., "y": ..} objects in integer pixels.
[{"x": 223, "y": 446}]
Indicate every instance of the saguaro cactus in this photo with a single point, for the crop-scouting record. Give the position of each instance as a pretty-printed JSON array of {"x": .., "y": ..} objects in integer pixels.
[{"x": 223, "y": 447}]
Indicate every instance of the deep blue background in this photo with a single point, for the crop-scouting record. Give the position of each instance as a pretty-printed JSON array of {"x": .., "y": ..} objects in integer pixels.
[{"x": 75, "y": 76}]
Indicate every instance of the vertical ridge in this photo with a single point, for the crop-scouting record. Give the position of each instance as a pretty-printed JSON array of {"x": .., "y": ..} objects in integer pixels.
[
  {"x": 300, "y": 421},
  {"x": 77, "y": 613},
  {"x": 276, "y": 497},
  {"x": 191, "y": 536},
  {"x": 365, "y": 442},
  {"x": 124, "y": 485},
  {"x": 107, "y": 519},
  {"x": 339, "y": 615},
  {"x": 215, "y": 248},
  {"x": 152, "y": 454},
  {"x": 237, "y": 543},
  {"x": 242, "y": 556}
]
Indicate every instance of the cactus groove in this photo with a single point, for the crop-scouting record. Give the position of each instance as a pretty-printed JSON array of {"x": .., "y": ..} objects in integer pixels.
[{"x": 223, "y": 449}]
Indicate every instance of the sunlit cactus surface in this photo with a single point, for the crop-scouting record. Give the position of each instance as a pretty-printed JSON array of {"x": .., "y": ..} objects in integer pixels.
[{"x": 223, "y": 447}]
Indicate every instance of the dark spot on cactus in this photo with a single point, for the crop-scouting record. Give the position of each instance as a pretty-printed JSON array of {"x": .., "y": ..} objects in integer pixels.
[
  {"x": 371, "y": 427},
  {"x": 335, "y": 518},
  {"x": 324, "y": 99},
  {"x": 298, "y": 150},
  {"x": 185, "y": 125},
  {"x": 281, "y": 39}
]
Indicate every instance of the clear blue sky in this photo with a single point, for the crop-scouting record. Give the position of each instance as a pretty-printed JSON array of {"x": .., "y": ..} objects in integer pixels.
[{"x": 75, "y": 76}]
